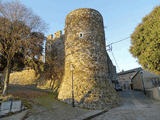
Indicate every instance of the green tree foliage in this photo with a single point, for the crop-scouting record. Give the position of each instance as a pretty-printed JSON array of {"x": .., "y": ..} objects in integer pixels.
[
  {"x": 145, "y": 42},
  {"x": 17, "y": 63},
  {"x": 35, "y": 48},
  {"x": 2, "y": 63},
  {"x": 50, "y": 67},
  {"x": 54, "y": 64}
]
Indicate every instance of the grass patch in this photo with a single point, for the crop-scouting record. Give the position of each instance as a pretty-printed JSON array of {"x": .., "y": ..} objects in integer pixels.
[
  {"x": 46, "y": 101},
  {"x": 29, "y": 97}
]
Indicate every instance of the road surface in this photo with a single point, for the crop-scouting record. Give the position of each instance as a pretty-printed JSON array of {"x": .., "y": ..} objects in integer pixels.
[{"x": 136, "y": 106}]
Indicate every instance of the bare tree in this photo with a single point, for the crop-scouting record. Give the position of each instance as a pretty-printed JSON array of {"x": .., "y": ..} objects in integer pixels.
[
  {"x": 20, "y": 31},
  {"x": 16, "y": 11}
]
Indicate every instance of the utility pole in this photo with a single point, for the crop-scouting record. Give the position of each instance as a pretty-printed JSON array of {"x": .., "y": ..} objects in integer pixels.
[{"x": 72, "y": 69}]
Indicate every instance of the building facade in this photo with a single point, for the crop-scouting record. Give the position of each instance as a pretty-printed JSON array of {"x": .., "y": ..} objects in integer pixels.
[
  {"x": 124, "y": 78},
  {"x": 138, "y": 79},
  {"x": 145, "y": 80}
]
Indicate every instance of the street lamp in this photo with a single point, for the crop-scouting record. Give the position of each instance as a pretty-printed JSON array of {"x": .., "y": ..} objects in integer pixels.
[{"x": 72, "y": 69}]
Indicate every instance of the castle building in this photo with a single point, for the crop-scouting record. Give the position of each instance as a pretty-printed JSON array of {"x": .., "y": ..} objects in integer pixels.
[{"x": 87, "y": 68}]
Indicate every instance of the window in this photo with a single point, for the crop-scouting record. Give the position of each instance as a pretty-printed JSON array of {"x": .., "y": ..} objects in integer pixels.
[{"x": 81, "y": 35}]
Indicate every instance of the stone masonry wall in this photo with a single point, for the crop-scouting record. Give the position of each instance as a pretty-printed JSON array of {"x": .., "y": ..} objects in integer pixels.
[{"x": 85, "y": 50}]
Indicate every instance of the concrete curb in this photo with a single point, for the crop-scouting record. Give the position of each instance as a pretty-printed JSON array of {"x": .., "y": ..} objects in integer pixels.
[
  {"x": 95, "y": 113},
  {"x": 91, "y": 114}
]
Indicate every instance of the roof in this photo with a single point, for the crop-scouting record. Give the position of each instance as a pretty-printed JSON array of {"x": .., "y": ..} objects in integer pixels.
[{"x": 129, "y": 71}]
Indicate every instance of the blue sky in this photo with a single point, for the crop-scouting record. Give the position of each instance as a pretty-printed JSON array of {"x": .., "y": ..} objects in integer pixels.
[{"x": 120, "y": 18}]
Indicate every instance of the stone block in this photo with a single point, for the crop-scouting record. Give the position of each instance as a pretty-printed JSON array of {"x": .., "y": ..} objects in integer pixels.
[
  {"x": 16, "y": 106},
  {"x": 5, "y": 108}
]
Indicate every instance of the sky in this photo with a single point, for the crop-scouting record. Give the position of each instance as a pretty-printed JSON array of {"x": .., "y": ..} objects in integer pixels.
[{"x": 120, "y": 20}]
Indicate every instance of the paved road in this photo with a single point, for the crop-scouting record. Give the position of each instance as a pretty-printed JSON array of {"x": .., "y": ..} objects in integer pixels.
[{"x": 135, "y": 106}]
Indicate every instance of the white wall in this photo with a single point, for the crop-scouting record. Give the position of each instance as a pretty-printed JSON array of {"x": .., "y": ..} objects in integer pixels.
[{"x": 148, "y": 79}]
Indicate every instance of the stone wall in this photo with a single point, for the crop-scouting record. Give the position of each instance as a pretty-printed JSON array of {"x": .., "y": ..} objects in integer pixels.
[
  {"x": 85, "y": 50},
  {"x": 151, "y": 80},
  {"x": 112, "y": 74},
  {"x": 24, "y": 77},
  {"x": 153, "y": 93}
]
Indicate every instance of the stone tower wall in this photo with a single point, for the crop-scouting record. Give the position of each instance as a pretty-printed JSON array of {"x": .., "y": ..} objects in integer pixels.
[{"x": 85, "y": 50}]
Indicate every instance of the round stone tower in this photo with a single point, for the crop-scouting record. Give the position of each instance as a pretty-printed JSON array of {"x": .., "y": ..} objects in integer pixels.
[{"x": 85, "y": 79}]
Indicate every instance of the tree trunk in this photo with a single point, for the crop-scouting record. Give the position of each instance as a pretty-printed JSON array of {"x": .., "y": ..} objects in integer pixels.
[
  {"x": 53, "y": 84},
  {"x": 6, "y": 79}
]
